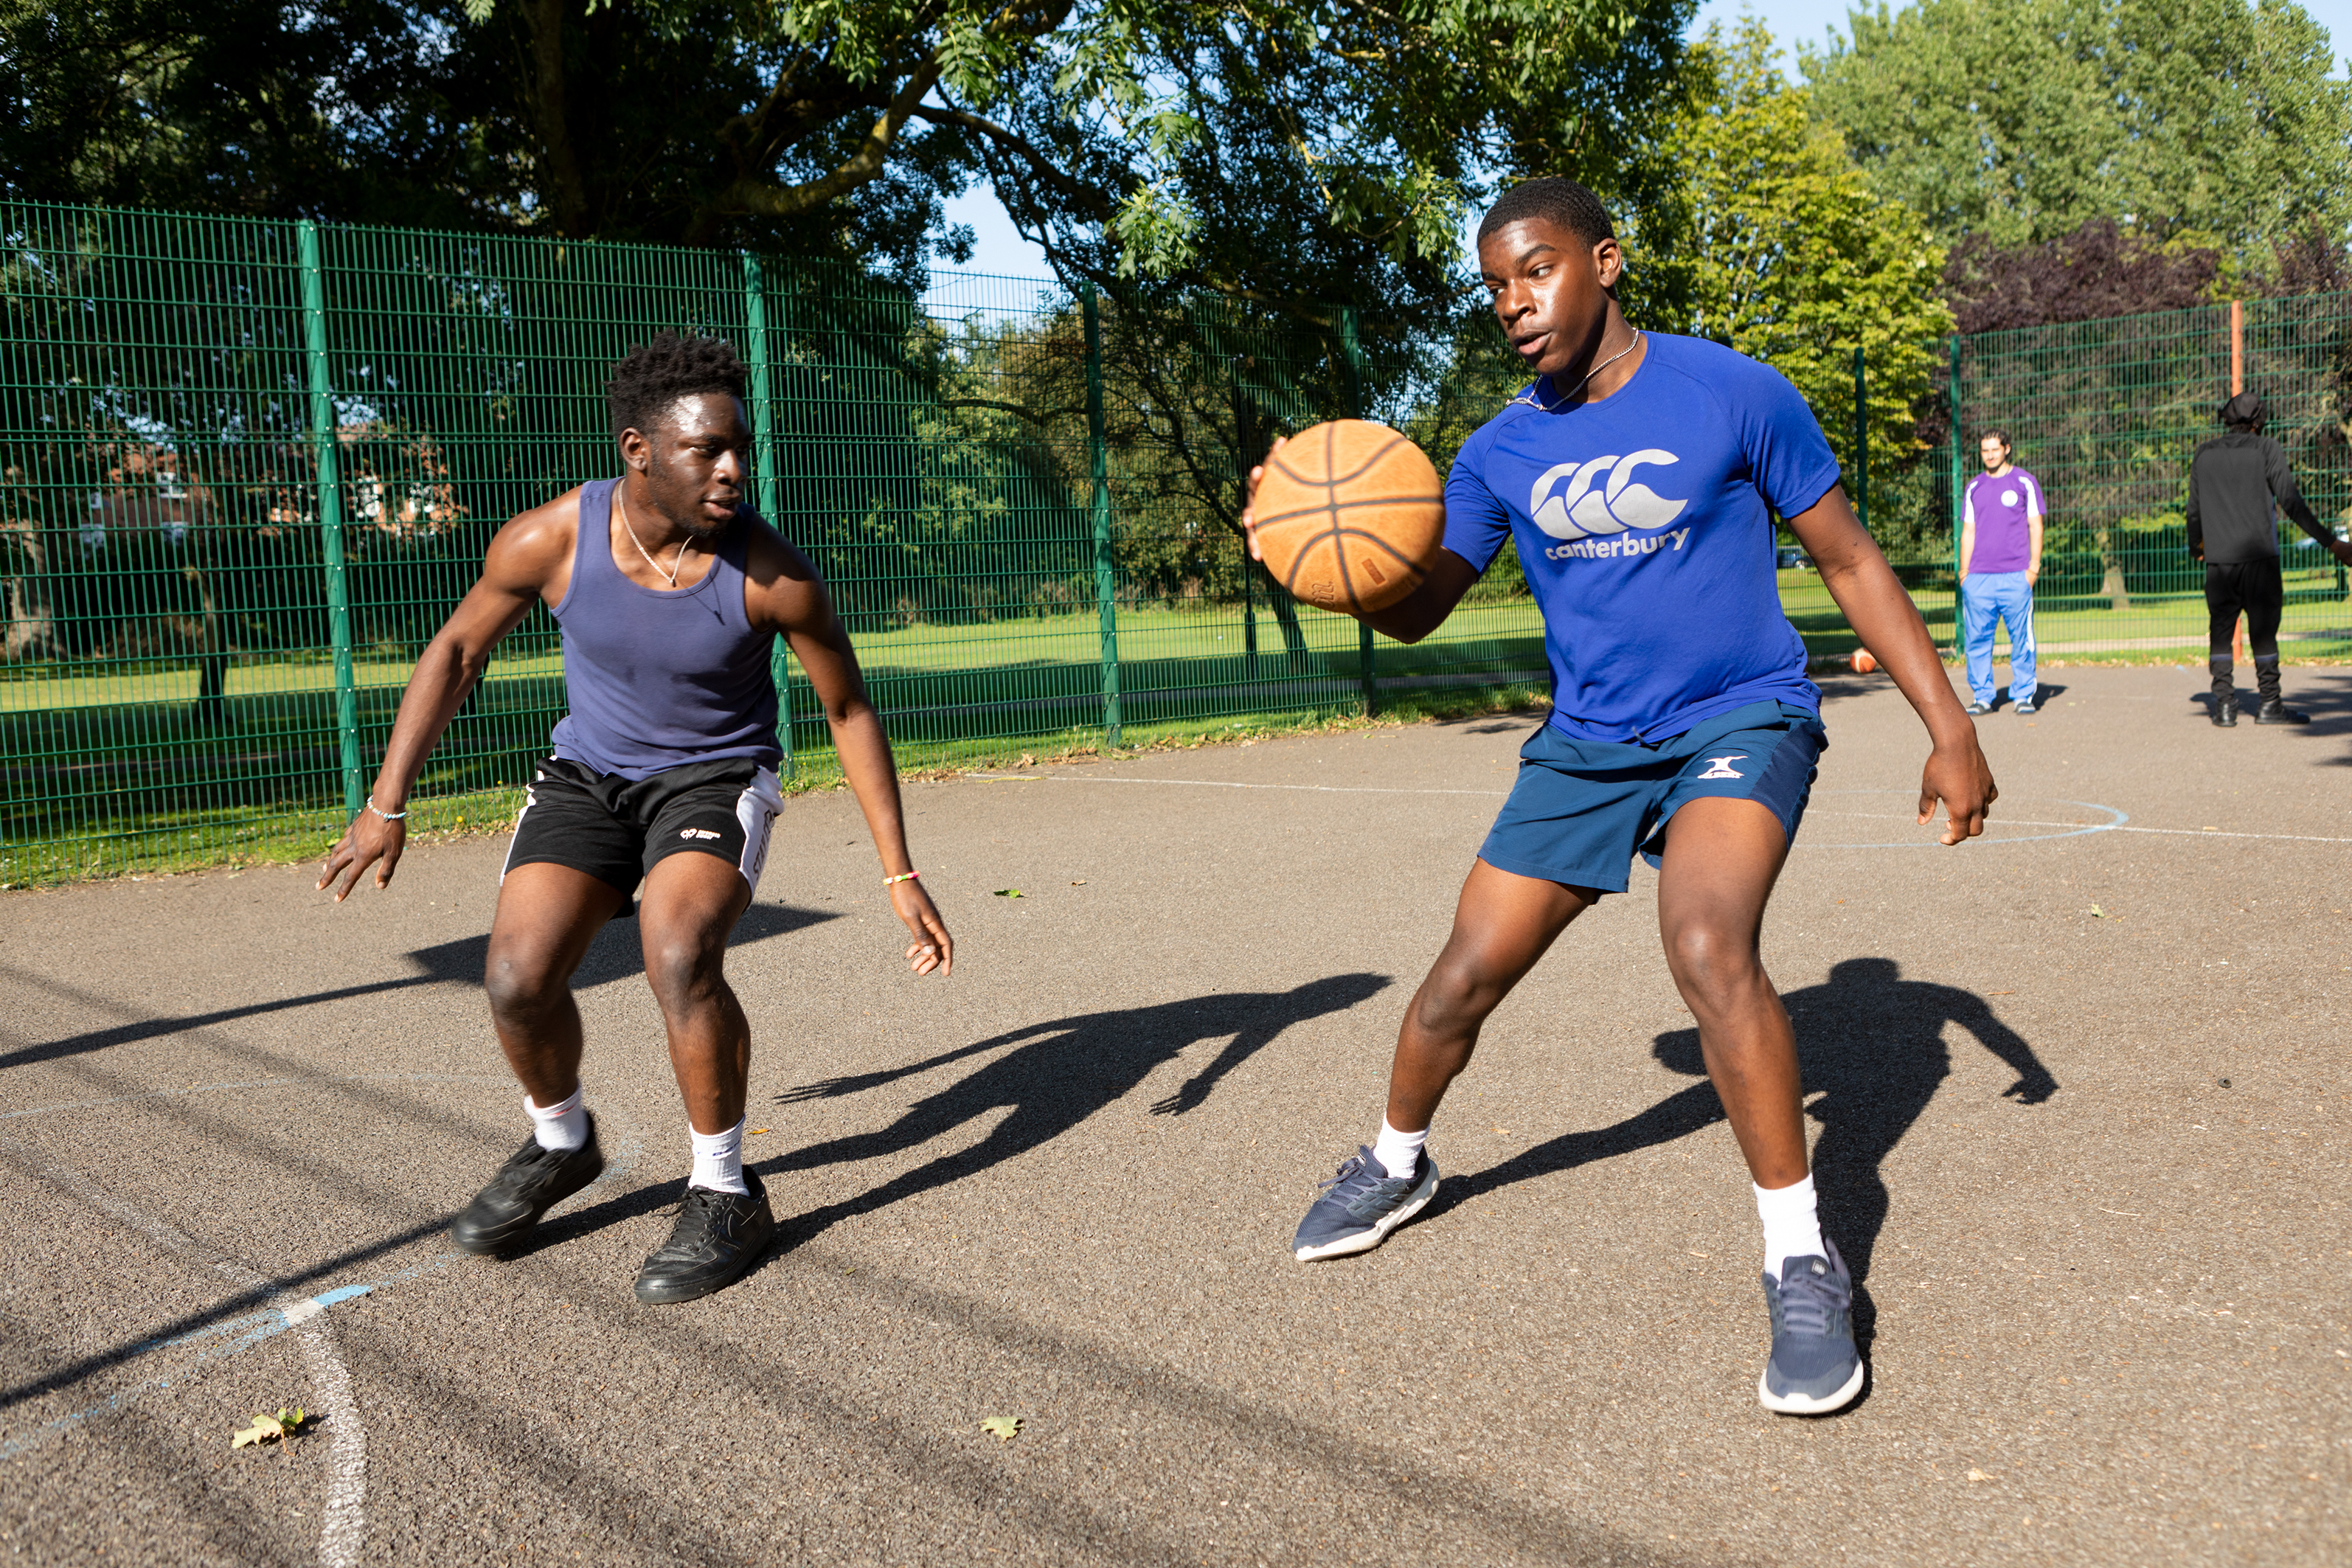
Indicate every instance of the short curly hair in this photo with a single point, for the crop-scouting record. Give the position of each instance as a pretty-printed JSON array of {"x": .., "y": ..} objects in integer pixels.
[
  {"x": 658, "y": 373},
  {"x": 1563, "y": 202}
]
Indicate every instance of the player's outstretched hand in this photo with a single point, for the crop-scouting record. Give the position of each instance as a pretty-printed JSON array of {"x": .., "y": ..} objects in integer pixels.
[
  {"x": 370, "y": 840},
  {"x": 1958, "y": 774},
  {"x": 933, "y": 947},
  {"x": 1249, "y": 502}
]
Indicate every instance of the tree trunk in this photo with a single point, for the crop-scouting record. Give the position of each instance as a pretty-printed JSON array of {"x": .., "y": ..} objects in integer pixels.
[
  {"x": 2111, "y": 568},
  {"x": 550, "y": 117}
]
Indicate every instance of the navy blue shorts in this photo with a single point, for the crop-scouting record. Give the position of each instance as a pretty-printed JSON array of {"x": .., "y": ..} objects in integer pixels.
[{"x": 1582, "y": 809}]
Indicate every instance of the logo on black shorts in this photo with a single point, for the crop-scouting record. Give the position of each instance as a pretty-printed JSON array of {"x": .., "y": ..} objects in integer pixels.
[{"x": 696, "y": 833}]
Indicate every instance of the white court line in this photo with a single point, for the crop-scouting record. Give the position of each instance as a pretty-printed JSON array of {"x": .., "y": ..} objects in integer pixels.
[
  {"x": 344, "y": 1531},
  {"x": 1995, "y": 820}
]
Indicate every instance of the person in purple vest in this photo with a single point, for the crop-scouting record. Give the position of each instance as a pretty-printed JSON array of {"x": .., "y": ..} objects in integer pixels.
[
  {"x": 671, "y": 593},
  {"x": 2001, "y": 556}
]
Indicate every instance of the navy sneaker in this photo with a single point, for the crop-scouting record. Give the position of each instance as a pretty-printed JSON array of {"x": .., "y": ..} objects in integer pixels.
[
  {"x": 1360, "y": 1205},
  {"x": 718, "y": 1238},
  {"x": 1814, "y": 1367},
  {"x": 532, "y": 1180}
]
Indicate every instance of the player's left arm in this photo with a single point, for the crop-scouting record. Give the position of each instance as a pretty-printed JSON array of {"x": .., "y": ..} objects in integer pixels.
[
  {"x": 2290, "y": 501},
  {"x": 787, "y": 593},
  {"x": 1883, "y": 615},
  {"x": 2033, "y": 532}
]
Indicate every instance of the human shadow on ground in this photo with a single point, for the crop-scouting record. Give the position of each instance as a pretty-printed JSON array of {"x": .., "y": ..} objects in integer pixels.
[
  {"x": 1054, "y": 1076},
  {"x": 1870, "y": 1044},
  {"x": 616, "y": 955}
]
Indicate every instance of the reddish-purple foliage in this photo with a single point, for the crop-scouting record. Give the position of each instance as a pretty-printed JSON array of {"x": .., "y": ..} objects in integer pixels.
[
  {"x": 2312, "y": 261},
  {"x": 2099, "y": 270}
]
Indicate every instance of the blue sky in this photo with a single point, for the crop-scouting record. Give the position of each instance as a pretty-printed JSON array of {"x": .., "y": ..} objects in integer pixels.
[{"x": 1002, "y": 250}]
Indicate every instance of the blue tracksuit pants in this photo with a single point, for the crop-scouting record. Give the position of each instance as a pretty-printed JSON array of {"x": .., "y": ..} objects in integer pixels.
[{"x": 2006, "y": 596}]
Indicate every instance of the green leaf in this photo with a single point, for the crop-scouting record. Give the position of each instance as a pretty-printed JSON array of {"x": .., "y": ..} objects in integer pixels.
[
  {"x": 1011, "y": 893},
  {"x": 1002, "y": 1427}
]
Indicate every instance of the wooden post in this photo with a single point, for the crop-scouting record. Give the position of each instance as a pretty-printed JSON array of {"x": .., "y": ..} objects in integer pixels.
[{"x": 2237, "y": 347}]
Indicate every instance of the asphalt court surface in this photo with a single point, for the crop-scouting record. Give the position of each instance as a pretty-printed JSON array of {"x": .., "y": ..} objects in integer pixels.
[{"x": 2105, "y": 1295}]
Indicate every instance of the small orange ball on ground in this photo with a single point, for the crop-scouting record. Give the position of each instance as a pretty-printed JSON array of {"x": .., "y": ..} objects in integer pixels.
[
  {"x": 1350, "y": 516},
  {"x": 1863, "y": 663}
]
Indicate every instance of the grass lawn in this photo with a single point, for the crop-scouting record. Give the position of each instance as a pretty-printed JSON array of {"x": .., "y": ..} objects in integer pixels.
[{"x": 109, "y": 768}]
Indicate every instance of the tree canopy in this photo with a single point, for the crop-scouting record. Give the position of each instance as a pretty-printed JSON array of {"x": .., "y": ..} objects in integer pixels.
[
  {"x": 1771, "y": 241},
  {"x": 2023, "y": 120},
  {"x": 1302, "y": 149}
]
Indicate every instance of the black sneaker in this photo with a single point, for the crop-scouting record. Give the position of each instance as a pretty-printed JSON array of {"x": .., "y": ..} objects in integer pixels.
[
  {"x": 2273, "y": 711},
  {"x": 532, "y": 1180},
  {"x": 719, "y": 1236},
  {"x": 2225, "y": 714}
]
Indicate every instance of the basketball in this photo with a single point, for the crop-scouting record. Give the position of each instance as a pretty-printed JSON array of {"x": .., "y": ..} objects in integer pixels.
[
  {"x": 1863, "y": 663},
  {"x": 1350, "y": 516}
]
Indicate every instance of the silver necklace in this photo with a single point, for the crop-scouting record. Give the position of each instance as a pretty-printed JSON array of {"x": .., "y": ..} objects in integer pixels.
[
  {"x": 678, "y": 567},
  {"x": 1580, "y": 386}
]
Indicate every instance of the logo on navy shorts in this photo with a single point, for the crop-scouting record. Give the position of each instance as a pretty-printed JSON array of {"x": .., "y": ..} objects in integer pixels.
[
  {"x": 696, "y": 833},
  {"x": 1721, "y": 768}
]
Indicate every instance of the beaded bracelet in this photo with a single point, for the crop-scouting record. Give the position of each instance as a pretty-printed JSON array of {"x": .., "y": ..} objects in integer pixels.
[
  {"x": 387, "y": 816},
  {"x": 901, "y": 877}
]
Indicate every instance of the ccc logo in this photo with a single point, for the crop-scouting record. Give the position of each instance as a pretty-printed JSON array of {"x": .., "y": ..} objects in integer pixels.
[{"x": 1600, "y": 497}]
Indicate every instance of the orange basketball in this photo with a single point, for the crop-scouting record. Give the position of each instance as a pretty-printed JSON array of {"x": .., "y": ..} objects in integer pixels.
[
  {"x": 1350, "y": 516},
  {"x": 1863, "y": 663}
]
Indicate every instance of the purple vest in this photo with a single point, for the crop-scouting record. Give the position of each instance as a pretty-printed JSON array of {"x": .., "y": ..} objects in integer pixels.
[{"x": 658, "y": 679}]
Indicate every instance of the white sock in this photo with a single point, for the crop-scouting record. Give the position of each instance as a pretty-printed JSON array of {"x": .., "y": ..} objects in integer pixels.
[
  {"x": 1399, "y": 1152},
  {"x": 560, "y": 1127},
  {"x": 1792, "y": 1227},
  {"x": 718, "y": 1160}
]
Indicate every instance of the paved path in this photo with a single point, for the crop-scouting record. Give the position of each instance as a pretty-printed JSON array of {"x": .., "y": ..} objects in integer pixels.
[{"x": 2107, "y": 1292}]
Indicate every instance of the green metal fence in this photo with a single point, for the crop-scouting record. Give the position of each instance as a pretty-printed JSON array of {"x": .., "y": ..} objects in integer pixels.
[{"x": 249, "y": 466}]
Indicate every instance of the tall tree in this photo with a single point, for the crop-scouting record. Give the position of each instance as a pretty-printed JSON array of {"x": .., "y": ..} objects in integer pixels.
[
  {"x": 2023, "y": 120},
  {"x": 1775, "y": 243}
]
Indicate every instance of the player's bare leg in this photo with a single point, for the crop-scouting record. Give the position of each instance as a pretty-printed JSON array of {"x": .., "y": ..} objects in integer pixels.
[
  {"x": 1503, "y": 924},
  {"x": 689, "y": 904},
  {"x": 547, "y": 916},
  {"x": 1721, "y": 859}
]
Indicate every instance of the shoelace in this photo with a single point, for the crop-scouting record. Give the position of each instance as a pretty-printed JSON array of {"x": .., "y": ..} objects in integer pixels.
[
  {"x": 1355, "y": 1168},
  {"x": 1810, "y": 1301}
]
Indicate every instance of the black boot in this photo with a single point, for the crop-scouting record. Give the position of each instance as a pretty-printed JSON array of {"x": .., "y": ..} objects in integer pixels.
[
  {"x": 2275, "y": 709},
  {"x": 2225, "y": 691}
]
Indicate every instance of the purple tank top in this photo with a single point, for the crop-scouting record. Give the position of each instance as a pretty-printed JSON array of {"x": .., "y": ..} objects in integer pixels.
[{"x": 658, "y": 679}]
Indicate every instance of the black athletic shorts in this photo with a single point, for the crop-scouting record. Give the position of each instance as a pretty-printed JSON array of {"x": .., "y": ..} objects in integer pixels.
[{"x": 615, "y": 828}]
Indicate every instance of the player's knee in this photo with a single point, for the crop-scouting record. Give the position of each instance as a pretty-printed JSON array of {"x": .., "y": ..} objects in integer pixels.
[
  {"x": 520, "y": 984},
  {"x": 683, "y": 971},
  {"x": 1710, "y": 959},
  {"x": 1457, "y": 996}
]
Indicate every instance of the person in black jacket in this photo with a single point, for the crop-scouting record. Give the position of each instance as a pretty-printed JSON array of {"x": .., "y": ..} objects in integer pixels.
[{"x": 2237, "y": 482}]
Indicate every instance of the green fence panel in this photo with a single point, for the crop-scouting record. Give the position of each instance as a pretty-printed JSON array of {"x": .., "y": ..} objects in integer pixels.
[{"x": 251, "y": 466}]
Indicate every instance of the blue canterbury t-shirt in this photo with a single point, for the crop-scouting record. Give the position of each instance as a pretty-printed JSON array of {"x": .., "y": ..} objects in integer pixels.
[{"x": 1644, "y": 525}]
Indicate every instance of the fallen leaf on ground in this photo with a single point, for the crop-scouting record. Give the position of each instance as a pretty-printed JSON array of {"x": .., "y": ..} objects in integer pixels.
[
  {"x": 1979, "y": 1475},
  {"x": 2098, "y": 913},
  {"x": 1002, "y": 1427},
  {"x": 1011, "y": 893},
  {"x": 2001, "y": 993},
  {"x": 1079, "y": 883},
  {"x": 271, "y": 1428},
  {"x": 757, "y": 1130}
]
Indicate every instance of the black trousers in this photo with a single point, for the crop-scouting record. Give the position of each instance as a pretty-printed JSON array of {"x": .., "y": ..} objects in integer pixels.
[{"x": 2252, "y": 588}]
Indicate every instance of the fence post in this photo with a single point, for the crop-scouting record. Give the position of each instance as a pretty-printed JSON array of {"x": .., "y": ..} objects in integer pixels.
[
  {"x": 1241, "y": 465},
  {"x": 1352, "y": 347},
  {"x": 763, "y": 471},
  {"x": 331, "y": 511},
  {"x": 1861, "y": 443},
  {"x": 1960, "y": 480},
  {"x": 2237, "y": 347},
  {"x": 1106, "y": 577}
]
